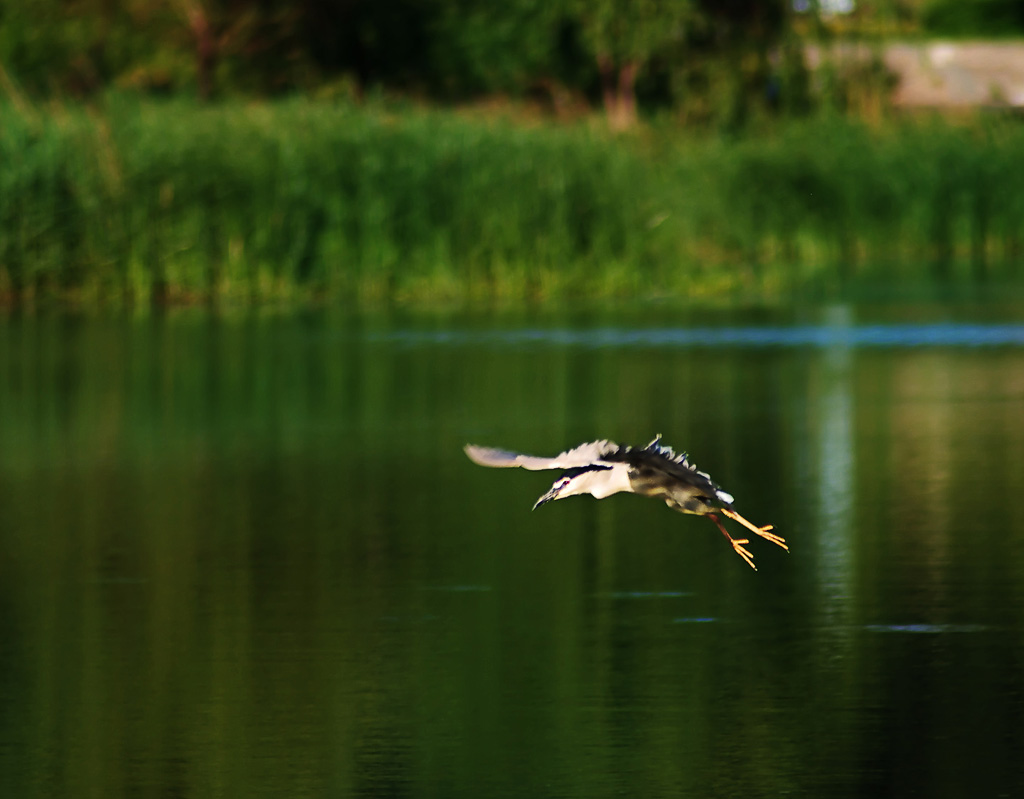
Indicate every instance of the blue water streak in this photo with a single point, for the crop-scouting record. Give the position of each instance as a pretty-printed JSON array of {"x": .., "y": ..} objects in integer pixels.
[{"x": 943, "y": 334}]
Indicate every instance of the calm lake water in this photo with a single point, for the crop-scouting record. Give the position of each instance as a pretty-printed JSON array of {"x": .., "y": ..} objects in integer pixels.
[{"x": 245, "y": 555}]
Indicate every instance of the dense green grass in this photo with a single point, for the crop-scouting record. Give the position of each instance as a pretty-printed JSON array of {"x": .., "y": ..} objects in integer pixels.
[{"x": 299, "y": 200}]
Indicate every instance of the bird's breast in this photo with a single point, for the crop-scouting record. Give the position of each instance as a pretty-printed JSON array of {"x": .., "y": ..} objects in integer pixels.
[{"x": 610, "y": 481}]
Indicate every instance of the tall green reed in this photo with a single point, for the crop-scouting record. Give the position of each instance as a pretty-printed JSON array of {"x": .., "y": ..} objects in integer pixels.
[
  {"x": 914, "y": 200},
  {"x": 299, "y": 200}
]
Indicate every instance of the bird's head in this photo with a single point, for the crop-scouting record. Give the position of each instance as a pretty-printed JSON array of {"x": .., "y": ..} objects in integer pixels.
[
  {"x": 583, "y": 480},
  {"x": 562, "y": 487}
]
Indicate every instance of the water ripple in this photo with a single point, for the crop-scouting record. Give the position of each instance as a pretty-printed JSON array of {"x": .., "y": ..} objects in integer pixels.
[
  {"x": 925, "y": 629},
  {"x": 894, "y": 336},
  {"x": 647, "y": 594}
]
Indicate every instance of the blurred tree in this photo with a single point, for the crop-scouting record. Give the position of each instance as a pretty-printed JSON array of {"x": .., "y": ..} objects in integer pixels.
[
  {"x": 663, "y": 52},
  {"x": 80, "y": 46},
  {"x": 481, "y": 46},
  {"x": 729, "y": 70},
  {"x": 998, "y": 18},
  {"x": 624, "y": 36},
  {"x": 46, "y": 46},
  {"x": 209, "y": 39},
  {"x": 249, "y": 44},
  {"x": 376, "y": 42}
]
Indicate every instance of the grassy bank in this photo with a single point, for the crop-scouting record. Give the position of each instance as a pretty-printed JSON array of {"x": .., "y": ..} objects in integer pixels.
[{"x": 299, "y": 200}]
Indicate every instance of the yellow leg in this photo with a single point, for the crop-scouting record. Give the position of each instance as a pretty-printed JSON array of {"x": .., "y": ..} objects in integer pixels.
[
  {"x": 761, "y": 531},
  {"x": 737, "y": 543}
]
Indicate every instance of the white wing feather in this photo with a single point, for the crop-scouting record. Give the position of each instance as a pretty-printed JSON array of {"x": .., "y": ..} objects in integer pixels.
[{"x": 583, "y": 455}]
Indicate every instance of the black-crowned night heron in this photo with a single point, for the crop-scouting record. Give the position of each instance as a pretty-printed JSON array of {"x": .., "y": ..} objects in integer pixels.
[{"x": 603, "y": 468}]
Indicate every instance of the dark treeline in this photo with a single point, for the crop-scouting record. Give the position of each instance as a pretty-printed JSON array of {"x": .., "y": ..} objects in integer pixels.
[
  {"x": 556, "y": 50},
  {"x": 705, "y": 56},
  {"x": 709, "y": 60}
]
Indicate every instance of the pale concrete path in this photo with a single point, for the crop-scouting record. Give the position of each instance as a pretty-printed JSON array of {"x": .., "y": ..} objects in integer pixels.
[{"x": 943, "y": 74}]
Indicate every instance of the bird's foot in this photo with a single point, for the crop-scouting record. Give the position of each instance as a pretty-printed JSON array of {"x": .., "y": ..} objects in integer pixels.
[
  {"x": 737, "y": 543},
  {"x": 778, "y": 540},
  {"x": 742, "y": 551}
]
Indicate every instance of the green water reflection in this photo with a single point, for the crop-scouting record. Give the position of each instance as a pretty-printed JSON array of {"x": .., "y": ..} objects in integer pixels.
[{"x": 246, "y": 556}]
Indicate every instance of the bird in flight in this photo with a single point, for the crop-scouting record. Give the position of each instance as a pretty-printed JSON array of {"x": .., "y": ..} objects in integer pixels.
[{"x": 603, "y": 468}]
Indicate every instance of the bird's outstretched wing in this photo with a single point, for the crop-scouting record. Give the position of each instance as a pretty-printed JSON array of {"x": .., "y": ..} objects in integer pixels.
[{"x": 583, "y": 455}]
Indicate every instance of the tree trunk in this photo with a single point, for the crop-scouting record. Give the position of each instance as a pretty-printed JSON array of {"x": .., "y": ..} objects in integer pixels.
[
  {"x": 206, "y": 50},
  {"x": 618, "y": 90}
]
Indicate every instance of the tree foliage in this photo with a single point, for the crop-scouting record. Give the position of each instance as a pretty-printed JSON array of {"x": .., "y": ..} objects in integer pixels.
[
  {"x": 989, "y": 18},
  {"x": 624, "y": 37},
  {"x": 605, "y": 50}
]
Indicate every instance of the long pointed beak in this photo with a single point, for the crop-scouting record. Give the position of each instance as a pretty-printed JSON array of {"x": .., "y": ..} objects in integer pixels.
[{"x": 550, "y": 495}]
